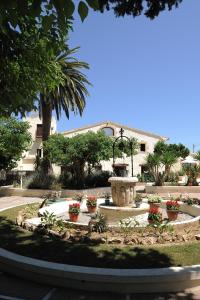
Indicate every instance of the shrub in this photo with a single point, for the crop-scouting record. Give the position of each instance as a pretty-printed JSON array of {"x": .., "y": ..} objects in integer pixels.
[
  {"x": 39, "y": 180},
  {"x": 99, "y": 223},
  {"x": 48, "y": 219},
  {"x": 97, "y": 179}
]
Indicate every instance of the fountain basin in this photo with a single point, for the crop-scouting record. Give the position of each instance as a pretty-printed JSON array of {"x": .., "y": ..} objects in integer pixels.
[{"x": 116, "y": 213}]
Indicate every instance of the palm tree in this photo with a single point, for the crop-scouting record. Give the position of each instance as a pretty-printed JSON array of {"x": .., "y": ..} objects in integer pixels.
[{"x": 68, "y": 96}]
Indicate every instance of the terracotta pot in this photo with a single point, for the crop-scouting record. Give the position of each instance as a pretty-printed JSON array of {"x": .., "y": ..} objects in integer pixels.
[
  {"x": 172, "y": 214},
  {"x": 150, "y": 221},
  {"x": 91, "y": 209},
  {"x": 154, "y": 205},
  {"x": 73, "y": 217}
]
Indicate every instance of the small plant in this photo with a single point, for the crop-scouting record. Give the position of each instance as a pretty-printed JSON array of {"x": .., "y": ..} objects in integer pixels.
[
  {"x": 155, "y": 216},
  {"x": 126, "y": 225},
  {"x": 154, "y": 199},
  {"x": 172, "y": 205},
  {"x": 79, "y": 197},
  {"x": 74, "y": 208},
  {"x": 56, "y": 186},
  {"x": 138, "y": 199},
  {"x": 107, "y": 197},
  {"x": 48, "y": 219},
  {"x": 91, "y": 201},
  {"x": 189, "y": 201},
  {"x": 99, "y": 223},
  {"x": 60, "y": 226}
]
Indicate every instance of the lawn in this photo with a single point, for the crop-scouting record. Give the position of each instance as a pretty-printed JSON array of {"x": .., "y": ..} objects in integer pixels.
[{"x": 40, "y": 246}]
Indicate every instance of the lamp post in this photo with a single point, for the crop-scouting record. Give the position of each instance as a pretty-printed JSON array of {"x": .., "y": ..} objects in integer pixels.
[
  {"x": 21, "y": 176},
  {"x": 194, "y": 146},
  {"x": 121, "y": 147}
]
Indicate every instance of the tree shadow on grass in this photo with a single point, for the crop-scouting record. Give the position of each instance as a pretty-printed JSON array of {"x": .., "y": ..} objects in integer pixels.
[{"x": 39, "y": 246}]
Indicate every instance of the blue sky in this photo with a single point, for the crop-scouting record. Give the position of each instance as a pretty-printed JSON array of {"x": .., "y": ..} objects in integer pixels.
[{"x": 145, "y": 74}]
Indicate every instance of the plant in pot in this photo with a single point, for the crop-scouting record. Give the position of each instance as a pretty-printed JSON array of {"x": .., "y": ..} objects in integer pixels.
[
  {"x": 138, "y": 200},
  {"x": 107, "y": 197},
  {"x": 154, "y": 201},
  {"x": 74, "y": 210},
  {"x": 154, "y": 216},
  {"x": 172, "y": 207},
  {"x": 91, "y": 204}
]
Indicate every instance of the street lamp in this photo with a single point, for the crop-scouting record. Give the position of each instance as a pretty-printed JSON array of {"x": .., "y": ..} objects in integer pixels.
[
  {"x": 21, "y": 176},
  {"x": 193, "y": 147}
]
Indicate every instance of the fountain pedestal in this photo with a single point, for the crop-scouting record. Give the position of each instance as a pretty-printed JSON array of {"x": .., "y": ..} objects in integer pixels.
[
  {"x": 123, "y": 190},
  {"x": 123, "y": 193}
]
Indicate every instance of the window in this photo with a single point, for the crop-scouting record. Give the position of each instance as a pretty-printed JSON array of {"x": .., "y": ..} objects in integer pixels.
[
  {"x": 39, "y": 131},
  {"x": 109, "y": 131},
  {"x": 39, "y": 152},
  {"x": 142, "y": 147}
]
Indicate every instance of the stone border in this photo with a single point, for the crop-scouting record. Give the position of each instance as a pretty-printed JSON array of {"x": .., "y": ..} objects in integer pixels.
[
  {"x": 172, "y": 189},
  {"x": 172, "y": 279}
]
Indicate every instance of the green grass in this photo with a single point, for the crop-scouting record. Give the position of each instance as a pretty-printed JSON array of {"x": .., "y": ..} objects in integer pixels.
[{"x": 35, "y": 245}]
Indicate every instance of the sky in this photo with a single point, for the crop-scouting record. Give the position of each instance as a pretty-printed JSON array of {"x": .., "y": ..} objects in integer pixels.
[{"x": 145, "y": 74}]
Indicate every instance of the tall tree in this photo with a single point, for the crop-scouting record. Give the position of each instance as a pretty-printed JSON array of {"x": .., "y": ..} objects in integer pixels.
[
  {"x": 14, "y": 140},
  {"x": 69, "y": 95}
]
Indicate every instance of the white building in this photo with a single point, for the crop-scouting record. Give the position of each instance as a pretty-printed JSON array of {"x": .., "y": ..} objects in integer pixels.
[
  {"x": 145, "y": 139},
  {"x": 27, "y": 163}
]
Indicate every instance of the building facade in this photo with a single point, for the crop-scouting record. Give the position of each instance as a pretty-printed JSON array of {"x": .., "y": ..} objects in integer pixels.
[
  {"x": 27, "y": 162},
  {"x": 146, "y": 141}
]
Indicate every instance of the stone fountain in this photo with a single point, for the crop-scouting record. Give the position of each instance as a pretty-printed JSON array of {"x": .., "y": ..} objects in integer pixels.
[{"x": 123, "y": 194}]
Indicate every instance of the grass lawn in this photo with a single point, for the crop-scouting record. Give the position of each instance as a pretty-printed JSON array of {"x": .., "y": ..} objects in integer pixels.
[{"x": 32, "y": 244}]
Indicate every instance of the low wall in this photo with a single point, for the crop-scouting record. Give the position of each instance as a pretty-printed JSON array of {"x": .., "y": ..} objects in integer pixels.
[
  {"x": 100, "y": 191},
  {"x": 39, "y": 192},
  {"x": 172, "y": 189},
  {"x": 171, "y": 279}
]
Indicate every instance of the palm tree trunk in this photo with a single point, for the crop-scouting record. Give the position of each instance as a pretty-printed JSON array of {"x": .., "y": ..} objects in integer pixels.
[{"x": 46, "y": 112}]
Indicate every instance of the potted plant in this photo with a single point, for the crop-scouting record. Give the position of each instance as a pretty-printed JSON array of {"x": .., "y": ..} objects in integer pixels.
[
  {"x": 154, "y": 216},
  {"x": 74, "y": 210},
  {"x": 154, "y": 201},
  {"x": 107, "y": 197},
  {"x": 138, "y": 200},
  {"x": 172, "y": 207},
  {"x": 91, "y": 204}
]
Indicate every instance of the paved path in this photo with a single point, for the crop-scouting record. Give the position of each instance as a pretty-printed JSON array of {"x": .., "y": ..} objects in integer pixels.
[{"x": 12, "y": 288}]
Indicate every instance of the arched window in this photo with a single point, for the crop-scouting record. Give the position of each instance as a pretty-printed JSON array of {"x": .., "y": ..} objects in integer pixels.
[{"x": 109, "y": 131}]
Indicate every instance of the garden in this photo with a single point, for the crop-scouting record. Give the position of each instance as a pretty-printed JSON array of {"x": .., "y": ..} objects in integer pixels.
[{"x": 158, "y": 243}]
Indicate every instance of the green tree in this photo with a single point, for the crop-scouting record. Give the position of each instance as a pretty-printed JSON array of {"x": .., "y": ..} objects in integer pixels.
[
  {"x": 14, "y": 140},
  {"x": 32, "y": 32},
  {"x": 80, "y": 153},
  {"x": 150, "y": 8},
  {"x": 69, "y": 95},
  {"x": 163, "y": 158}
]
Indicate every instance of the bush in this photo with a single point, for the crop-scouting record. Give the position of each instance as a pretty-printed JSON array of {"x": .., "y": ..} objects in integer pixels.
[
  {"x": 10, "y": 178},
  {"x": 97, "y": 179},
  {"x": 39, "y": 180}
]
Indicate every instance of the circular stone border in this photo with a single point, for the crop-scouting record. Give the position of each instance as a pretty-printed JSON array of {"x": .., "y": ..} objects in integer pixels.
[{"x": 172, "y": 279}]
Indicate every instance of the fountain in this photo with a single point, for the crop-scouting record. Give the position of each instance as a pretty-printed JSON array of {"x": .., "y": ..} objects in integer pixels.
[
  {"x": 123, "y": 206},
  {"x": 123, "y": 191}
]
